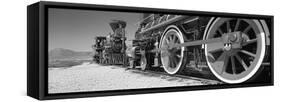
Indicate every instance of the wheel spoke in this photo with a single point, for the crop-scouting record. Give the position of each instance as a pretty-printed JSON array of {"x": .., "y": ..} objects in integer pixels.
[
  {"x": 220, "y": 31},
  {"x": 171, "y": 37},
  {"x": 174, "y": 56},
  {"x": 211, "y": 57},
  {"x": 247, "y": 29},
  {"x": 168, "y": 38},
  {"x": 169, "y": 61},
  {"x": 216, "y": 50},
  {"x": 228, "y": 29},
  {"x": 176, "y": 52},
  {"x": 248, "y": 53},
  {"x": 233, "y": 65},
  {"x": 173, "y": 61},
  {"x": 225, "y": 64},
  {"x": 241, "y": 61},
  {"x": 179, "y": 56},
  {"x": 221, "y": 63},
  {"x": 250, "y": 41},
  {"x": 167, "y": 41},
  {"x": 174, "y": 39},
  {"x": 237, "y": 25}
]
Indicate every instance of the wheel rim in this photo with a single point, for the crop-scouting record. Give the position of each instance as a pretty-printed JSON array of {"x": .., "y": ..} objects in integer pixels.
[
  {"x": 172, "y": 58},
  {"x": 238, "y": 64}
]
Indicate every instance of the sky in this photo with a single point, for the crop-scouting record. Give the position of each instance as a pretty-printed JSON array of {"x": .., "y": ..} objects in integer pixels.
[{"x": 75, "y": 29}]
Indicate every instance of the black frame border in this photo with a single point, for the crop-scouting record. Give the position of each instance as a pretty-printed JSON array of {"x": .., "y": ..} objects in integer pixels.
[{"x": 43, "y": 49}]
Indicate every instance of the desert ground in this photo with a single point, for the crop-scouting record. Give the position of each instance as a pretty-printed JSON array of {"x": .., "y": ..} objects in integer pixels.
[{"x": 94, "y": 77}]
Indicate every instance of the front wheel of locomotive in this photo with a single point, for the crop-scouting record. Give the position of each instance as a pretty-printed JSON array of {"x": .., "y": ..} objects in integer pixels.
[
  {"x": 173, "y": 59},
  {"x": 241, "y": 57}
]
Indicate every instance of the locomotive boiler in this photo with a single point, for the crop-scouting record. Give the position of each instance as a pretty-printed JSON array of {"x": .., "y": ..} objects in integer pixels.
[{"x": 234, "y": 49}]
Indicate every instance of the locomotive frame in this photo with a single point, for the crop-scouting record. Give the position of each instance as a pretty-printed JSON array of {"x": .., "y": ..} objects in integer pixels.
[{"x": 38, "y": 46}]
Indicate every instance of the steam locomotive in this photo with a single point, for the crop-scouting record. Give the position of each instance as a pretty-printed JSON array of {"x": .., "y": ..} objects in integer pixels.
[
  {"x": 235, "y": 50},
  {"x": 110, "y": 50}
]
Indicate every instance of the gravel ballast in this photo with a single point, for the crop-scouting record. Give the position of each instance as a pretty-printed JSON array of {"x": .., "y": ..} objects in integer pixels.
[{"x": 94, "y": 77}]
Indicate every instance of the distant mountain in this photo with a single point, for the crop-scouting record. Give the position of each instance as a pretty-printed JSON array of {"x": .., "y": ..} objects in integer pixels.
[{"x": 66, "y": 54}]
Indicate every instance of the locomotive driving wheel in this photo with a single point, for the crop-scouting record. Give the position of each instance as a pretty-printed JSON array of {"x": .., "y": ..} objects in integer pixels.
[
  {"x": 173, "y": 58},
  {"x": 238, "y": 57}
]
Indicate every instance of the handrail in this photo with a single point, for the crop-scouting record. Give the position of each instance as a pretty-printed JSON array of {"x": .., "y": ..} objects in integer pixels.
[
  {"x": 151, "y": 15},
  {"x": 176, "y": 18}
]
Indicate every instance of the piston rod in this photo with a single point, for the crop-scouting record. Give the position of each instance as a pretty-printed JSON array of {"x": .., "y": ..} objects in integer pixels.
[
  {"x": 191, "y": 43},
  {"x": 226, "y": 38}
]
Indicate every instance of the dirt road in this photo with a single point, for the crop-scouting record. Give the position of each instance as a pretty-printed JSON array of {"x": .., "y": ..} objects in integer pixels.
[{"x": 93, "y": 77}]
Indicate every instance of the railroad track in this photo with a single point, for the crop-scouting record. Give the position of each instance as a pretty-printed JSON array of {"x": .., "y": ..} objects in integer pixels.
[{"x": 202, "y": 80}]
